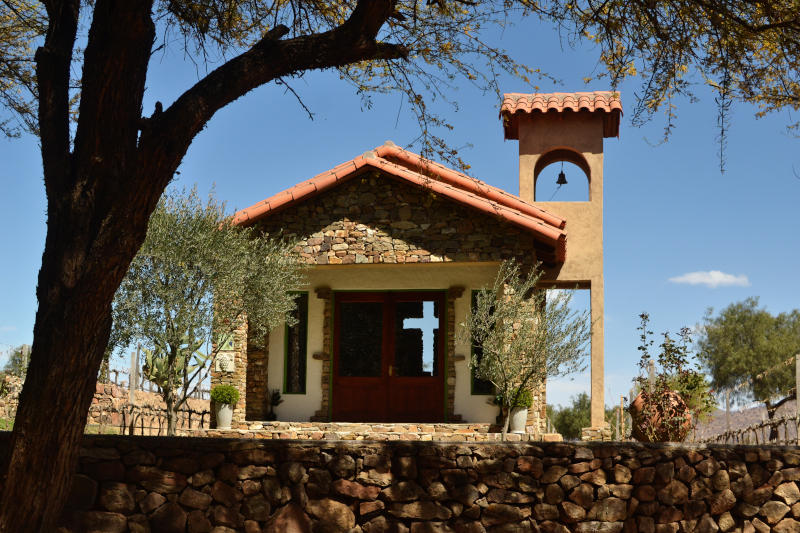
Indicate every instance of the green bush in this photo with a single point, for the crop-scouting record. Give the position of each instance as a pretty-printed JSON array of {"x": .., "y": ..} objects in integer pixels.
[
  {"x": 525, "y": 400},
  {"x": 225, "y": 394}
]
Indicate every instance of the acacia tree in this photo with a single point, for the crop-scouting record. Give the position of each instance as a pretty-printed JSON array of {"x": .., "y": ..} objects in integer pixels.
[
  {"x": 194, "y": 281},
  {"x": 748, "y": 352},
  {"x": 17, "y": 364},
  {"x": 523, "y": 336},
  {"x": 104, "y": 174}
]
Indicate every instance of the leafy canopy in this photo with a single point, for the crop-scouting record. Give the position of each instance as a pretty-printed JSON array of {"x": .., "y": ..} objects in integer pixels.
[
  {"x": 194, "y": 281},
  {"x": 745, "y": 349},
  {"x": 570, "y": 420},
  {"x": 743, "y": 50},
  {"x": 18, "y": 359}
]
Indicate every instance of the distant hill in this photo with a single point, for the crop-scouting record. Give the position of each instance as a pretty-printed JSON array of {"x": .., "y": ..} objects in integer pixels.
[{"x": 740, "y": 419}]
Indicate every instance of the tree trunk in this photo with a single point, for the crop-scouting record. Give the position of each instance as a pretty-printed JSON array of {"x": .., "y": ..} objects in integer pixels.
[
  {"x": 773, "y": 430},
  {"x": 169, "y": 389},
  {"x": 172, "y": 413},
  {"x": 506, "y": 421},
  {"x": 101, "y": 189},
  {"x": 772, "y": 408},
  {"x": 91, "y": 239}
]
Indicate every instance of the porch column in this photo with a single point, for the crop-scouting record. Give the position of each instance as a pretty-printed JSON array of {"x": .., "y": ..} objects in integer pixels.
[
  {"x": 324, "y": 413},
  {"x": 597, "y": 373},
  {"x": 453, "y": 293}
]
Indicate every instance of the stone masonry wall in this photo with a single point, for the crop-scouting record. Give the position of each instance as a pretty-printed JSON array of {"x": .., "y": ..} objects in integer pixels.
[
  {"x": 237, "y": 377},
  {"x": 142, "y": 484},
  {"x": 111, "y": 407},
  {"x": 376, "y": 219},
  {"x": 257, "y": 378}
]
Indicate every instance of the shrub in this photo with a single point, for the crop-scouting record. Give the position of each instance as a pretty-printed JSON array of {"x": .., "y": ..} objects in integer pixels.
[
  {"x": 225, "y": 394},
  {"x": 524, "y": 400},
  {"x": 672, "y": 397}
]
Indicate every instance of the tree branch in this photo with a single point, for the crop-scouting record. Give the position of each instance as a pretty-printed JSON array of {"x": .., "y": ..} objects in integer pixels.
[
  {"x": 112, "y": 89},
  {"x": 53, "y": 62},
  {"x": 169, "y": 135}
]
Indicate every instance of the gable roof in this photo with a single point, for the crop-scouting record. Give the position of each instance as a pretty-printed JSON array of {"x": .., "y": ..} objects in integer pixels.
[
  {"x": 420, "y": 172},
  {"x": 607, "y": 103}
]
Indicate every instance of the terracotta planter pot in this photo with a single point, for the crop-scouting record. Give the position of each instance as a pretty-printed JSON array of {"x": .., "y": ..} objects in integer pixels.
[
  {"x": 224, "y": 415},
  {"x": 519, "y": 418},
  {"x": 652, "y": 428}
]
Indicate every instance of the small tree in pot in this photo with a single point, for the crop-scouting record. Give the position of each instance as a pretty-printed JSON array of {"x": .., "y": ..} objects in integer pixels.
[
  {"x": 224, "y": 398},
  {"x": 195, "y": 280},
  {"x": 672, "y": 397},
  {"x": 522, "y": 335}
]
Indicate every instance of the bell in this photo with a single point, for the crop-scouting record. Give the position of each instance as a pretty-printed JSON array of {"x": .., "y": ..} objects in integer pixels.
[{"x": 562, "y": 178}]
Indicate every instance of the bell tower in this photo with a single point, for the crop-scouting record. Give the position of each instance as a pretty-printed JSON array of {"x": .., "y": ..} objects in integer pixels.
[{"x": 570, "y": 127}]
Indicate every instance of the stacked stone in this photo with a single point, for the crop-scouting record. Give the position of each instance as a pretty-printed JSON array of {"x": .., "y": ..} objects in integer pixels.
[
  {"x": 376, "y": 219},
  {"x": 10, "y": 387},
  {"x": 236, "y": 378},
  {"x": 333, "y": 431},
  {"x": 257, "y": 378},
  {"x": 110, "y": 403},
  {"x": 200, "y": 485}
]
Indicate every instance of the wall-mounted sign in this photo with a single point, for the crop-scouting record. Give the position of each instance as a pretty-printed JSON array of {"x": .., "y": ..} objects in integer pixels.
[
  {"x": 225, "y": 362},
  {"x": 225, "y": 343}
]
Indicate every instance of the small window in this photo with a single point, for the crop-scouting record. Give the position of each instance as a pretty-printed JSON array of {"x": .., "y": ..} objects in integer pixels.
[
  {"x": 294, "y": 380},
  {"x": 479, "y": 386}
]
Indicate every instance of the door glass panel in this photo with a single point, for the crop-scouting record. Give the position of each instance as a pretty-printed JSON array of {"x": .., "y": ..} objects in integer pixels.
[
  {"x": 416, "y": 339},
  {"x": 360, "y": 339}
]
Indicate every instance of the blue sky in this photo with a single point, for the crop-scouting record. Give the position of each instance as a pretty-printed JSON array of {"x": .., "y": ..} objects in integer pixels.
[{"x": 668, "y": 210}]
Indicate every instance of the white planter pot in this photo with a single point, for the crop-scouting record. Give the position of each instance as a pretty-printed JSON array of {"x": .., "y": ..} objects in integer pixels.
[
  {"x": 519, "y": 418},
  {"x": 224, "y": 414}
]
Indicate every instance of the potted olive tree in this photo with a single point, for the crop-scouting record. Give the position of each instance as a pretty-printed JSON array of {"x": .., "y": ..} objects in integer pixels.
[
  {"x": 224, "y": 398},
  {"x": 521, "y": 336}
]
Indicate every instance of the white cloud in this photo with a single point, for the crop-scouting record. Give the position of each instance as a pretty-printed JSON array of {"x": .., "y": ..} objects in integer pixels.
[
  {"x": 712, "y": 279},
  {"x": 6, "y": 329}
]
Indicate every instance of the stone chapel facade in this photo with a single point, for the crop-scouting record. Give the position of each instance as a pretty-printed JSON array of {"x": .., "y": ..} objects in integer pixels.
[{"x": 397, "y": 245}]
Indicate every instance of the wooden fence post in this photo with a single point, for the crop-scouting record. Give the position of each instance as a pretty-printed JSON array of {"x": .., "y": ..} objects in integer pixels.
[
  {"x": 797, "y": 396},
  {"x": 727, "y": 410},
  {"x": 133, "y": 379}
]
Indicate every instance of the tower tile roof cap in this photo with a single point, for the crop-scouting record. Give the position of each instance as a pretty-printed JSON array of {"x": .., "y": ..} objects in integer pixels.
[{"x": 607, "y": 103}]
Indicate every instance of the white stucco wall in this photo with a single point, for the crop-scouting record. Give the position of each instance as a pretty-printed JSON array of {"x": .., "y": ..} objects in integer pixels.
[{"x": 300, "y": 407}]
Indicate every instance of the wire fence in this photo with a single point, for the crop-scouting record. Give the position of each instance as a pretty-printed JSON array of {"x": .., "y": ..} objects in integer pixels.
[
  {"x": 143, "y": 420},
  {"x": 120, "y": 379},
  {"x": 778, "y": 431}
]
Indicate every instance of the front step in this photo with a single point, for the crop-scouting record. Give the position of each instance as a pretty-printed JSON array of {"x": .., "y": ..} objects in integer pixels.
[{"x": 363, "y": 431}]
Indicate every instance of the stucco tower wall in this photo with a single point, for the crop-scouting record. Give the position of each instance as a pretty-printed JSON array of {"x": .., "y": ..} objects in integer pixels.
[{"x": 580, "y": 134}]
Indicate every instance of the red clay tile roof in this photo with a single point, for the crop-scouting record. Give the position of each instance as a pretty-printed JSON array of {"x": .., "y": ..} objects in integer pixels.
[
  {"x": 606, "y": 102},
  {"x": 414, "y": 169}
]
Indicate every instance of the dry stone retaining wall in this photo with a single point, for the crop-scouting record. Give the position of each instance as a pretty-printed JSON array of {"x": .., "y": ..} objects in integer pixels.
[{"x": 141, "y": 484}]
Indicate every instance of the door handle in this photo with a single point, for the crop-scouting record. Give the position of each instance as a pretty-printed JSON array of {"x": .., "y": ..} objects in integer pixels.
[{"x": 390, "y": 370}]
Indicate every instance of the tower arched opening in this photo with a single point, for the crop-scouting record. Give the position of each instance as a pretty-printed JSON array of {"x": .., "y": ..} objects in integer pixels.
[{"x": 551, "y": 186}]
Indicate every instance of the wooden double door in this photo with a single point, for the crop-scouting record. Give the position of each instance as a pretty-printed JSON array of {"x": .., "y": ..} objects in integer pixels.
[{"x": 388, "y": 363}]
